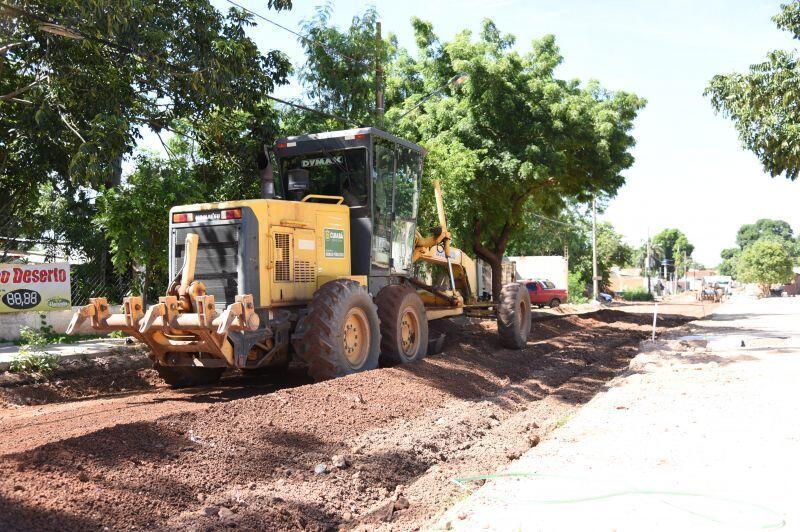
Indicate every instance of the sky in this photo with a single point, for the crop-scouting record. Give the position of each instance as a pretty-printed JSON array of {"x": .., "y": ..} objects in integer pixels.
[{"x": 690, "y": 171}]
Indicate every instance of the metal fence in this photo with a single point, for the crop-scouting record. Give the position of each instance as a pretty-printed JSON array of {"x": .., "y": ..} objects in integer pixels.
[{"x": 88, "y": 281}]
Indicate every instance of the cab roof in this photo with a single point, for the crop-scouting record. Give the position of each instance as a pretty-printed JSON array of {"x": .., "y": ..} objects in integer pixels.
[{"x": 350, "y": 134}]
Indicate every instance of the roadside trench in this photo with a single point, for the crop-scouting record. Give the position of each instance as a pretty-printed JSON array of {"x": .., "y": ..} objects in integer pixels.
[{"x": 390, "y": 440}]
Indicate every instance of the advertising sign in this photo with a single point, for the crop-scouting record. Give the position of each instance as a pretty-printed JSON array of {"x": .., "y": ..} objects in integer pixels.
[{"x": 34, "y": 287}]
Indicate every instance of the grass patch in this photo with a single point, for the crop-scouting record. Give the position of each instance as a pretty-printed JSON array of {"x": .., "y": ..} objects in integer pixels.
[
  {"x": 640, "y": 294},
  {"x": 36, "y": 363},
  {"x": 32, "y": 358}
]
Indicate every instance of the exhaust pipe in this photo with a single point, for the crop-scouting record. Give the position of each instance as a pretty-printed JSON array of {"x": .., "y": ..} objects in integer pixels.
[{"x": 265, "y": 171}]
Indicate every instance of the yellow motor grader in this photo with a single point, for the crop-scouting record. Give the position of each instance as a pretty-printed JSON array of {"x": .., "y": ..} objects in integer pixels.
[{"x": 327, "y": 269}]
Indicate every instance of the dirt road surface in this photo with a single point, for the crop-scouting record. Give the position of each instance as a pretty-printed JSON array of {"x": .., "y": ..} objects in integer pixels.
[
  {"x": 700, "y": 434},
  {"x": 373, "y": 450}
]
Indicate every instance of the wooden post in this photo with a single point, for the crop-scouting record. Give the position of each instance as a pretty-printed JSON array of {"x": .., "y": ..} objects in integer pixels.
[{"x": 594, "y": 248}]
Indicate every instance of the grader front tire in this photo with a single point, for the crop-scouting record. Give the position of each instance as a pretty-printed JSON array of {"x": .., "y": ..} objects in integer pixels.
[
  {"x": 404, "y": 324},
  {"x": 514, "y": 316},
  {"x": 341, "y": 332}
]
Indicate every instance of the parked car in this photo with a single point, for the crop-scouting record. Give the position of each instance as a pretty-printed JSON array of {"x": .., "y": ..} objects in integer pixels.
[{"x": 544, "y": 292}]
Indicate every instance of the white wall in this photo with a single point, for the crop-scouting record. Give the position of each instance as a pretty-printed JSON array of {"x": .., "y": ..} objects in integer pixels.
[
  {"x": 552, "y": 267},
  {"x": 12, "y": 322}
]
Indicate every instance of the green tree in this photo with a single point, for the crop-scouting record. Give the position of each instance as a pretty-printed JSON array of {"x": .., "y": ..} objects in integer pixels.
[
  {"x": 567, "y": 233},
  {"x": 764, "y": 228},
  {"x": 763, "y": 103},
  {"x": 134, "y": 216},
  {"x": 524, "y": 139},
  {"x": 729, "y": 258},
  {"x": 338, "y": 77},
  {"x": 673, "y": 244},
  {"x": 73, "y": 102},
  {"x": 765, "y": 262}
]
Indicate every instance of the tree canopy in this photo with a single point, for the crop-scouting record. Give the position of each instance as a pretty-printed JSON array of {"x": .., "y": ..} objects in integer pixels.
[
  {"x": 764, "y": 228},
  {"x": 513, "y": 135},
  {"x": 673, "y": 244},
  {"x": 748, "y": 234},
  {"x": 763, "y": 102},
  {"x": 765, "y": 262},
  {"x": 73, "y": 103}
]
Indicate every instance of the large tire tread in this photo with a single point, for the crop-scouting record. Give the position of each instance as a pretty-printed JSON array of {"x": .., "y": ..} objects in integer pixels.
[
  {"x": 317, "y": 335},
  {"x": 514, "y": 316},
  {"x": 391, "y": 301}
]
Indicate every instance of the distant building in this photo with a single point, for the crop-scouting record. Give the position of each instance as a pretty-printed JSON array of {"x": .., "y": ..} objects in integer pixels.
[
  {"x": 626, "y": 279},
  {"x": 36, "y": 254},
  {"x": 793, "y": 288}
]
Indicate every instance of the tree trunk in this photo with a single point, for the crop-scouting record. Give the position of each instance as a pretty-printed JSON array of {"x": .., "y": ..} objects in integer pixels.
[
  {"x": 493, "y": 256},
  {"x": 497, "y": 278},
  {"x": 145, "y": 285}
]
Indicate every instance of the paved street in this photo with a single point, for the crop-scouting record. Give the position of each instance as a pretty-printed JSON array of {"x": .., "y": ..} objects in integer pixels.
[
  {"x": 701, "y": 434},
  {"x": 86, "y": 348}
]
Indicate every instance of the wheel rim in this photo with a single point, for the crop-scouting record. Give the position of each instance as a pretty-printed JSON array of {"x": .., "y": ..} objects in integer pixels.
[
  {"x": 525, "y": 318},
  {"x": 356, "y": 337},
  {"x": 409, "y": 333}
]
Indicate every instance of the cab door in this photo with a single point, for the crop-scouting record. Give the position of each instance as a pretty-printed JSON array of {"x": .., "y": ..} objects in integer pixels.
[{"x": 406, "y": 202}]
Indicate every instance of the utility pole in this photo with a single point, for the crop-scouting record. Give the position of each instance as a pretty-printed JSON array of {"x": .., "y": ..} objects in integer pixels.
[
  {"x": 647, "y": 264},
  {"x": 378, "y": 75},
  {"x": 594, "y": 248}
]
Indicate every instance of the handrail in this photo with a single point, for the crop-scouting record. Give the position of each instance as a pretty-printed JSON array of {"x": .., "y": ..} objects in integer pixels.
[{"x": 323, "y": 196}]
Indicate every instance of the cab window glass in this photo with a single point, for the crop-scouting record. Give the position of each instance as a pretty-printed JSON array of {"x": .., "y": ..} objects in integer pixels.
[
  {"x": 334, "y": 173},
  {"x": 406, "y": 192},
  {"x": 382, "y": 202}
]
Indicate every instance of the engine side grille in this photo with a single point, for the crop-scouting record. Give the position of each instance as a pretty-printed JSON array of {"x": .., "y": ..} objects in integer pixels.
[
  {"x": 303, "y": 272},
  {"x": 282, "y": 247},
  {"x": 217, "y": 259}
]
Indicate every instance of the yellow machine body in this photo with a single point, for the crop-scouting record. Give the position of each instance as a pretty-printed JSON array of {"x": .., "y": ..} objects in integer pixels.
[
  {"x": 295, "y": 247},
  {"x": 301, "y": 245}
]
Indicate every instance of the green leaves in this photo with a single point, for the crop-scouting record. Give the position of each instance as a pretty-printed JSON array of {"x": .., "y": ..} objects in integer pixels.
[
  {"x": 764, "y": 229},
  {"x": 672, "y": 244},
  {"x": 763, "y": 103},
  {"x": 138, "y": 64},
  {"x": 339, "y": 73},
  {"x": 765, "y": 262},
  {"x": 134, "y": 216},
  {"x": 528, "y": 139}
]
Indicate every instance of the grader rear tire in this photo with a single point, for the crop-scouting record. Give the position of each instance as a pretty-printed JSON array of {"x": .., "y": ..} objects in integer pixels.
[
  {"x": 404, "y": 324},
  {"x": 341, "y": 332},
  {"x": 183, "y": 376},
  {"x": 514, "y": 316}
]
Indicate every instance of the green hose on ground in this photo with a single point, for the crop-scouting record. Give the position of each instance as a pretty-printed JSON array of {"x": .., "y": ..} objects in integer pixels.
[{"x": 778, "y": 522}]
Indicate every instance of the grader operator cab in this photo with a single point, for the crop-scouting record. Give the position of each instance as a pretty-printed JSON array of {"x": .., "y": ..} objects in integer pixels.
[{"x": 322, "y": 267}]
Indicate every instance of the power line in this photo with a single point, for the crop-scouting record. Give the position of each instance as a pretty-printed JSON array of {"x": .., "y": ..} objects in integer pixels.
[
  {"x": 312, "y": 110},
  {"x": 549, "y": 219},
  {"x": 124, "y": 49},
  {"x": 298, "y": 35}
]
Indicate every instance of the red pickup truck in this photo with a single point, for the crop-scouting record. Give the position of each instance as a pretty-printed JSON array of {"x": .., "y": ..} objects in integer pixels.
[{"x": 544, "y": 292}]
